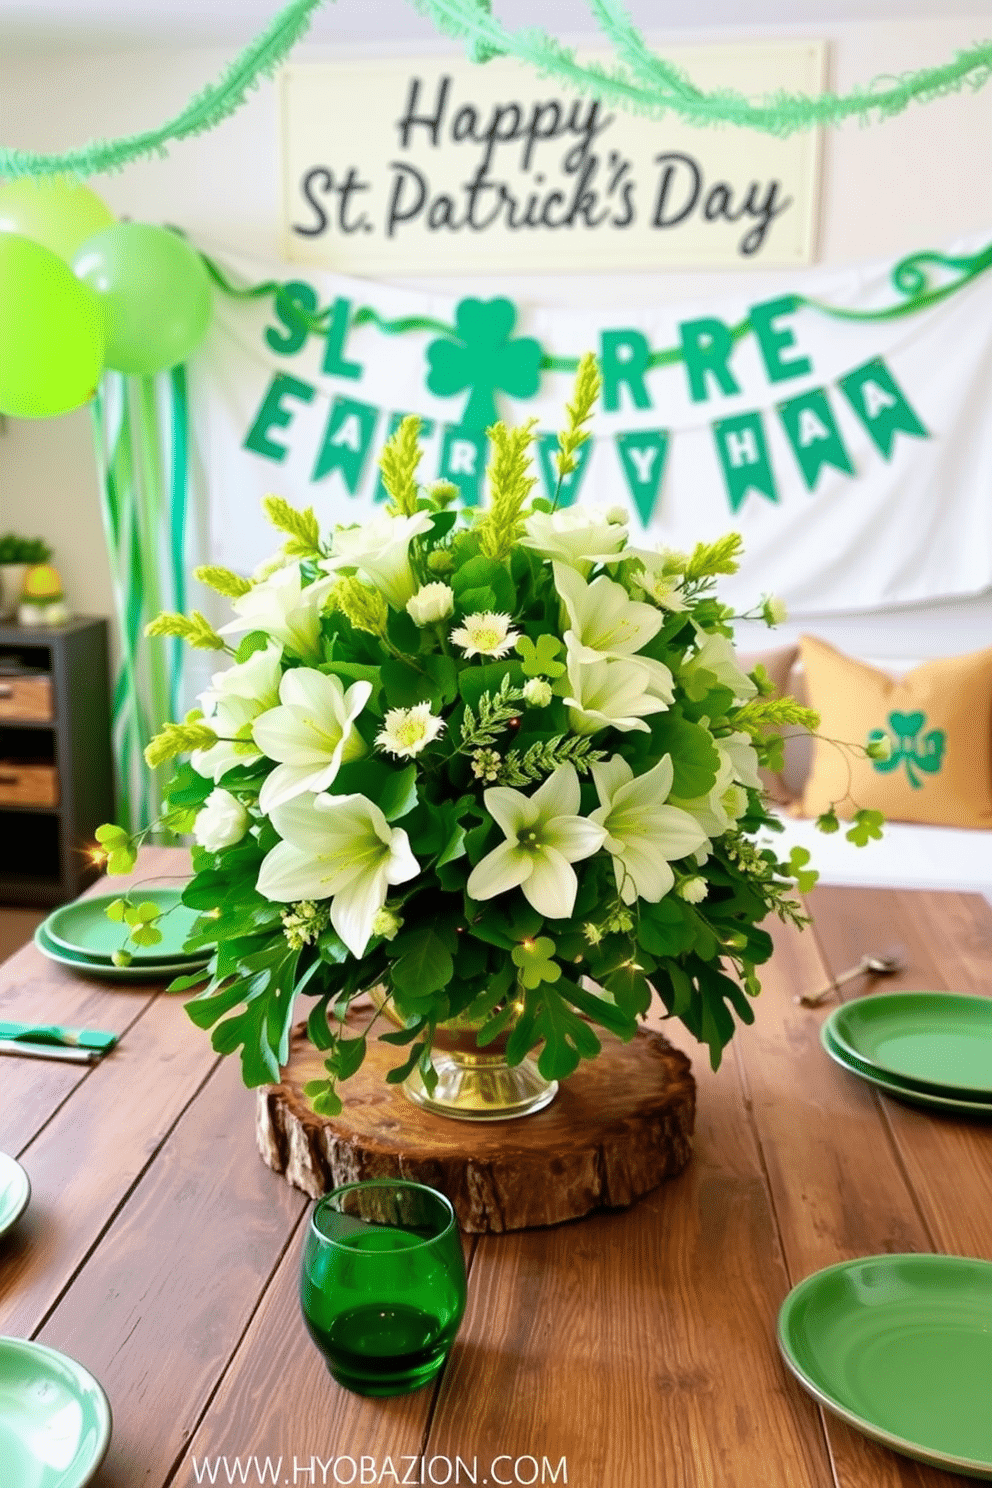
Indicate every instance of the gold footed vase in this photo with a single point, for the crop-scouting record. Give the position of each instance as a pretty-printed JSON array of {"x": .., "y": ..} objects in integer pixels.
[{"x": 474, "y": 1084}]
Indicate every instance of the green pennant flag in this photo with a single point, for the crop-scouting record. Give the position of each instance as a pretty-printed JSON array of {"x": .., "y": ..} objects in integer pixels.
[
  {"x": 642, "y": 455},
  {"x": 463, "y": 461},
  {"x": 813, "y": 433},
  {"x": 568, "y": 491},
  {"x": 881, "y": 405},
  {"x": 395, "y": 419},
  {"x": 740, "y": 443},
  {"x": 347, "y": 441}
]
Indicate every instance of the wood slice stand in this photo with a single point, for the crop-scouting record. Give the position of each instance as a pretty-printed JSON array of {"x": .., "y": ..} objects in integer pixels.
[{"x": 617, "y": 1129}]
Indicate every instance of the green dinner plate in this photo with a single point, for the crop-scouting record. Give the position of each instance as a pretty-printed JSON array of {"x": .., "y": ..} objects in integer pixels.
[
  {"x": 54, "y": 1418},
  {"x": 137, "y": 972},
  {"x": 903, "y": 1090},
  {"x": 83, "y": 927},
  {"x": 901, "y": 1347},
  {"x": 15, "y": 1191},
  {"x": 941, "y": 1041}
]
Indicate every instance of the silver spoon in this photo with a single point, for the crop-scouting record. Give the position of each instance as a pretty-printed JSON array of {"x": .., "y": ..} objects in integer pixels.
[{"x": 884, "y": 964}]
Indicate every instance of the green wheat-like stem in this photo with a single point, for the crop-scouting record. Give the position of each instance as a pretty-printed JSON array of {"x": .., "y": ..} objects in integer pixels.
[{"x": 522, "y": 767}]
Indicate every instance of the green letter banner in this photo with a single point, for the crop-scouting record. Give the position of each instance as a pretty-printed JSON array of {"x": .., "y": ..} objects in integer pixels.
[
  {"x": 347, "y": 441},
  {"x": 642, "y": 456},
  {"x": 829, "y": 434},
  {"x": 880, "y": 404},
  {"x": 814, "y": 436},
  {"x": 463, "y": 461},
  {"x": 740, "y": 443}
]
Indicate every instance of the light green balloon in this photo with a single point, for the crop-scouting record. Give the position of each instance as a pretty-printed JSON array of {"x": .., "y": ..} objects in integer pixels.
[
  {"x": 58, "y": 213},
  {"x": 155, "y": 293},
  {"x": 51, "y": 332}
]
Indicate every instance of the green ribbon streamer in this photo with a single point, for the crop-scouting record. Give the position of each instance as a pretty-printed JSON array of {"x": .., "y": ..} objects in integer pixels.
[
  {"x": 909, "y": 278},
  {"x": 639, "y": 82},
  {"x": 141, "y": 441}
]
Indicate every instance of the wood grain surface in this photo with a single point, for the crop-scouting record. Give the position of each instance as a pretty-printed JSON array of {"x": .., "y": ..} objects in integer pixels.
[
  {"x": 634, "y": 1347},
  {"x": 616, "y": 1129}
]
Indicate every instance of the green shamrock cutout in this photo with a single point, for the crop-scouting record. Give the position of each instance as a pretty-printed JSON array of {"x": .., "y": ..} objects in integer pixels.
[
  {"x": 533, "y": 957},
  {"x": 485, "y": 357},
  {"x": 539, "y": 659},
  {"x": 805, "y": 878},
  {"x": 141, "y": 918},
  {"x": 907, "y": 750},
  {"x": 867, "y": 824}
]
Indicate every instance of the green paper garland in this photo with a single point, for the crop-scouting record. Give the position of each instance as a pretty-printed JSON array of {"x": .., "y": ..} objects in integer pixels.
[{"x": 639, "y": 82}]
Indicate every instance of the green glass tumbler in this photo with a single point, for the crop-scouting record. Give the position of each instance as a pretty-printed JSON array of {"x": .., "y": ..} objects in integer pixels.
[{"x": 382, "y": 1286}]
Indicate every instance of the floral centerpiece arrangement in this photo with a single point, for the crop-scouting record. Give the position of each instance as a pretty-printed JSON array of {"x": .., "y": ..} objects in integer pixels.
[{"x": 500, "y": 763}]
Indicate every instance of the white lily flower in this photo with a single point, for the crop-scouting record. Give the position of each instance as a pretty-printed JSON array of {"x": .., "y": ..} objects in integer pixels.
[
  {"x": 661, "y": 577},
  {"x": 339, "y": 848},
  {"x": 380, "y": 550},
  {"x": 312, "y": 734},
  {"x": 284, "y": 608},
  {"x": 743, "y": 756},
  {"x": 610, "y": 694},
  {"x": 485, "y": 634},
  {"x": 718, "y": 656},
  {"x": 719, "y": 810},
  {"x": 605, "y": 621},
  {"x": 233, "y": 701},
  {"x": 608, "y": 625},
  {"x": 409, "y": 730},
  {"x": 579, "y": 536},
  {"x": 643, "y": 834},
  {"x": 544, "y": 837}
]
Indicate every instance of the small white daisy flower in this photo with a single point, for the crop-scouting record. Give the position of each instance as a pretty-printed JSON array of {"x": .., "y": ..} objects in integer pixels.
[
  {"x": 487, "y": 634},
  {"x": 409, "y": 730}
]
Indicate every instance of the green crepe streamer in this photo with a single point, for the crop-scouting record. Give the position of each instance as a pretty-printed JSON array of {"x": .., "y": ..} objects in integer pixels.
[
  {"x": 141, "y": 440},
  {"x": 640, "y": 82}
]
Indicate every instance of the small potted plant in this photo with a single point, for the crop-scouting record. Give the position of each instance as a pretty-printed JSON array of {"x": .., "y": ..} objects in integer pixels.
[{"x": 17, "y": 554}]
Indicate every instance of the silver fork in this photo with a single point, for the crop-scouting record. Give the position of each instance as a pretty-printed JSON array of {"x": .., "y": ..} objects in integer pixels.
[{"x": 883, "y": 964}]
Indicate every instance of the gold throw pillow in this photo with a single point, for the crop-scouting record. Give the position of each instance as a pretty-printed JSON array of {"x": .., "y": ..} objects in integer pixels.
[{"x": 937, "y": 719}]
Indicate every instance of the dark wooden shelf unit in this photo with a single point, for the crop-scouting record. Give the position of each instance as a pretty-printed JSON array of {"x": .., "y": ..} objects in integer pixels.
[{"x": 45, "y": 850}]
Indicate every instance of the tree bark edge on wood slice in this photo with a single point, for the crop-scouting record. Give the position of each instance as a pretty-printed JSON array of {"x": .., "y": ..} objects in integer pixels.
[{"x": 616, "y": 1130}]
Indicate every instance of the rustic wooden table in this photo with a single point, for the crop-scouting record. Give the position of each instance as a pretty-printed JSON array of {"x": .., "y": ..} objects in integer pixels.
[{"x": 633, "y": 1348}]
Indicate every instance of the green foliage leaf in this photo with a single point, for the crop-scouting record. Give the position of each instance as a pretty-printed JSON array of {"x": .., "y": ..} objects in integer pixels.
[
  {"x": 480, "y": 574},
  {"x": 323, "y": 1097},
  {"x": 424, "y": 965},
  {"x": 630, "y": 989},
  {"x": 693, "y": 754},
  {"x": 666, "y": 928},
  {"x": 255, "y": 640},
  {"x": 399, "y": 793},
  {"x": 608, "y": 1014}
]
